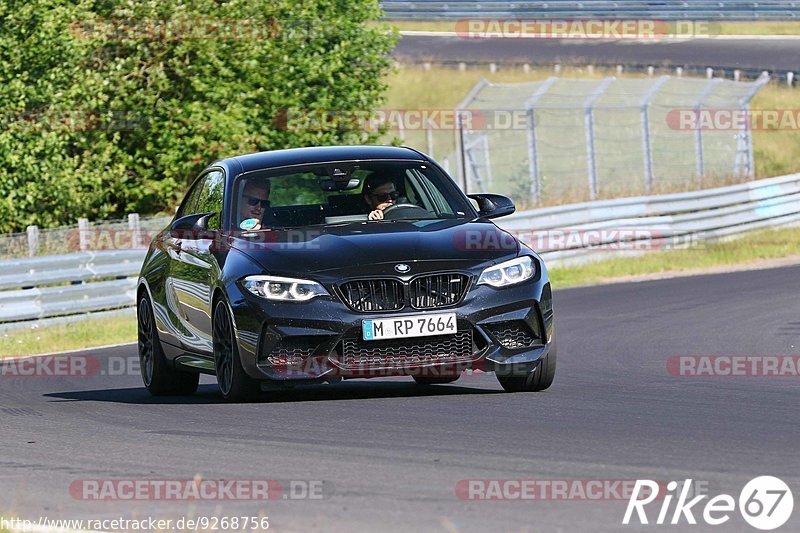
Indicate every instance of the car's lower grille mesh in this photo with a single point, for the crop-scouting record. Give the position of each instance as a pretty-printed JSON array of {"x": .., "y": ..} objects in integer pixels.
[
  {"x": 437, "y": 290},
  {"x": 357, "y": 353},
  {"x": 373, "y": 294},
  {"x": 292, "y": 350},
  {"x": 513, "y": 334}
]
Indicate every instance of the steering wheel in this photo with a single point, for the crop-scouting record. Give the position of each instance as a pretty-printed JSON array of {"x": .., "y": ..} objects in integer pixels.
[{"x": 406, "y": 210}]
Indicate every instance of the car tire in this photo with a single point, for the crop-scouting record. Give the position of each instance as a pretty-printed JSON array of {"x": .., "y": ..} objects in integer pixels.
[
  {"x": 234, "y": 383},
  {"x": 435, "y": 381},
  {"x": 537, "y": 380},
  {"x": 159, "y": 378}
]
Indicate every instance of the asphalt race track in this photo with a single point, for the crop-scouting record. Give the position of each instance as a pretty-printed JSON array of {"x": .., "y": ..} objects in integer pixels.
[
  {"x": 753, "y": 54},
  {"x": 390, "y": 453}
]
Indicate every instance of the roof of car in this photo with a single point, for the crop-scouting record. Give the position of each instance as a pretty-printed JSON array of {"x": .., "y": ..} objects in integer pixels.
[{"x": 318, "y": 154}]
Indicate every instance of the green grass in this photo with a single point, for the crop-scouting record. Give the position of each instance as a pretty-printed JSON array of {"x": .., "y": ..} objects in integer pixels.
[
  {"x": 751, "y": 249},
  {"x": 776, "y": 152},
  {"x": 777, "y": 27},
  {"x": 74, "y": 336}
]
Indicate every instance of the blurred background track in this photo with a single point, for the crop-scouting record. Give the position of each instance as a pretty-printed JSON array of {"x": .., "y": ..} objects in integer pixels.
[{"x": 774, "y": 55}]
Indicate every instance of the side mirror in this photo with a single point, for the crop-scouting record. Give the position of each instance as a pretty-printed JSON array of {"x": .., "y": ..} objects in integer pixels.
[
  {"x": 493, "y": 205},
  {"x": 192, "y": 226}
]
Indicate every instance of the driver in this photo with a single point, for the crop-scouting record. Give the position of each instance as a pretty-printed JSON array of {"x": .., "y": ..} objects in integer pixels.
[
  {"x": 379, "y": 194},
  {"x": 255, "y": 200}
]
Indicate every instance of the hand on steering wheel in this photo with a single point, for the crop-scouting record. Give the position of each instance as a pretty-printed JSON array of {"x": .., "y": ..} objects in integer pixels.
[{"x": 395, "y": 206}]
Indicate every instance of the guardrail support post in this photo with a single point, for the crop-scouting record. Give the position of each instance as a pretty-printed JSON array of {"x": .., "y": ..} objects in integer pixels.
[
  {"x": 83, "y": 233},
  {"x": 135, "y": 228},
  {"x": 33, "y": 240}
]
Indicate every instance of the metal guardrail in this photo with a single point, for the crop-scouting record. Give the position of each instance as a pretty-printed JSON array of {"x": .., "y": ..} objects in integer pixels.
[
  {"x": 98, "y": 281},
  {"x": 628, "y": 225},
  {"x": 69, "y": 268},
  {"x": 635, "y": 225},
  {"x": 27, "y": 304},
  {"x": 665, "y": 10}
]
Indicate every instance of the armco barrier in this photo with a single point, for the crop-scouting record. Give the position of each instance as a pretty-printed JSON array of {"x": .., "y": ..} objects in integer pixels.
[
  {"x": 77, "y": 267},
  {"x": 668, "y": 219},
  {"x": 34, "y": 288},
  {"x": 666, "y": 10},
  {"x": 46, "y": 302}
]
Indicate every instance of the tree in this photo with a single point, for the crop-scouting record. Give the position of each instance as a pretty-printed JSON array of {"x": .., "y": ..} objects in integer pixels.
[{"x": 113, "y": 106}]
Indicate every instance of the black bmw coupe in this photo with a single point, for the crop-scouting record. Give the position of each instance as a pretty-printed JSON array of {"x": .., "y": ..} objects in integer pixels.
[{"x": 313, "y": 265}]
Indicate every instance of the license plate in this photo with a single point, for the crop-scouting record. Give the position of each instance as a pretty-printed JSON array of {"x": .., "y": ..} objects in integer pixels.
[{"x": 375, "y": 329}]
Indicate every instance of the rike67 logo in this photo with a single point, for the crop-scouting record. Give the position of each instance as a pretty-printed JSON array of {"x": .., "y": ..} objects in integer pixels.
[{"x": 766, "y": 503}]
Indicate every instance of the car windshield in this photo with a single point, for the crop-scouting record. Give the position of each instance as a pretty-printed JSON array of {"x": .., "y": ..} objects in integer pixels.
[{"x": 345, "y": 192}]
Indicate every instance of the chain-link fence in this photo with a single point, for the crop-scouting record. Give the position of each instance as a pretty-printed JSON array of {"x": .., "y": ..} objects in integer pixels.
[
  {"x": 563, "y": 140},
  {"x": 126, "y": 234}
]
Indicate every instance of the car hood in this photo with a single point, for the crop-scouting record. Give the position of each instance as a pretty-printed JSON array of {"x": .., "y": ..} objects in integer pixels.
[{"x": 359, "y": 247}]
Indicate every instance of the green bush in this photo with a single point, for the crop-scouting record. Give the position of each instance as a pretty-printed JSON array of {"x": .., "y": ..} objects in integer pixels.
[{"x": 103, "y": 113}]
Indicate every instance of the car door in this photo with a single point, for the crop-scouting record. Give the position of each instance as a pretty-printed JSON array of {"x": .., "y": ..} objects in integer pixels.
[{"x": 193, "y": 266}]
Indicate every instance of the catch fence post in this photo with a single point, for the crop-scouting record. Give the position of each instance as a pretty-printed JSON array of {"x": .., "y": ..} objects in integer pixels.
[{"x": 588, "y": 118}]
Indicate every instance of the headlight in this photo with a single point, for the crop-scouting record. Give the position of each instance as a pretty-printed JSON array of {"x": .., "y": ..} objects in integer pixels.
[
  {"x": 508, "y": 273},
  {"x": 284, "y": 289}
]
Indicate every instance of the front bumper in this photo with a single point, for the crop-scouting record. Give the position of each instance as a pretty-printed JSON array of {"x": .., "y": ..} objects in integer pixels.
[{"x": 508, "y": 331}]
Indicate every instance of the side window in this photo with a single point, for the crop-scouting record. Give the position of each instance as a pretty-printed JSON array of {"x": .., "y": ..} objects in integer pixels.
[
  {"x": 430, "y": 193},
  {"x": 210, "y": 199},
  {"x": 189, "y": 206}
]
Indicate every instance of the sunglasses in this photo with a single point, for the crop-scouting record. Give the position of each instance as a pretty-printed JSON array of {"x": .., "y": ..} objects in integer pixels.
[
  {"x": 253, "y": 201},
  {"x": 386, "y": 196}
]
